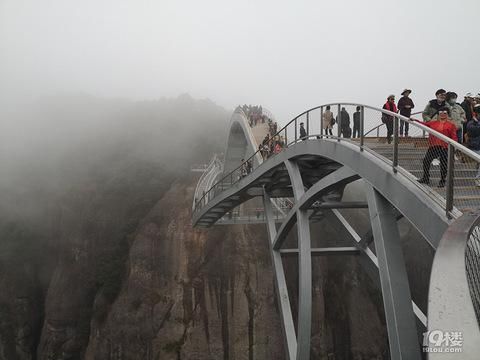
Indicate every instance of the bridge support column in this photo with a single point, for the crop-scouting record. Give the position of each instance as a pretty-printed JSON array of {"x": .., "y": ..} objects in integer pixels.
[
  {"x": 402, "y": 331},
  {"x": 288, "y": 328},
  {"x": 304, "y": 264}
]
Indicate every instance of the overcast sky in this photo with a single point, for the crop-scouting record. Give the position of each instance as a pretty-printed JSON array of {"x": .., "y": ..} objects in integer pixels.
[{"x": 287, "y": 56}]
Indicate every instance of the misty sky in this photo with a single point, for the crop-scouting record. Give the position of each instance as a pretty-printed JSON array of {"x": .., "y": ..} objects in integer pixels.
[{"x": 287, "y": 56}]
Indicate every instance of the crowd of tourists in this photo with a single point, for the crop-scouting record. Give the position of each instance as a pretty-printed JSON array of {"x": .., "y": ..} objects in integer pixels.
[
  {"x": 444, "y": 114},
  {"x": 459, "y": 121},
  {"x": 343, "y": 122},
  {"x": 271, "y": 144}
]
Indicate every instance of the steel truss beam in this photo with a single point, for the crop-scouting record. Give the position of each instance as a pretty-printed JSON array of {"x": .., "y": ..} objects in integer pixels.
[
  {"x": 402, "y": 331},
  {"x": 342, "y": 205},
  {"x": 368, "y": 259},
  {"x": 341, "y": 176},
  {"x": 288, "y": 327},
  {"x": 425, "y": 214},
  {"x": 352, "y": 250},
  {"x": 305, "y": 266}
]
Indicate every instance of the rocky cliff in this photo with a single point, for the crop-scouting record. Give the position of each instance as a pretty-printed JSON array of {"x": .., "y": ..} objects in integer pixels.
[{"x": 105, "y": 265}]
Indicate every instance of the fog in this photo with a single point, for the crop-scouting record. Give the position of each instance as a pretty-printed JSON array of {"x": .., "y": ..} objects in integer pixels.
[
  {"x": 287, "y": 56},
  {"x": 106, "y": 104},
  {"x": 82, "y": 80}
]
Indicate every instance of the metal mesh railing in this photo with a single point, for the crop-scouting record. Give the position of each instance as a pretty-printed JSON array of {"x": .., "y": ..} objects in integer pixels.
[
  {"x": 257, "y": 215},
  {"x": 207, "y": 179},
  {"x": 445, "y": 167},
  {"x": 472, "y": 261}
]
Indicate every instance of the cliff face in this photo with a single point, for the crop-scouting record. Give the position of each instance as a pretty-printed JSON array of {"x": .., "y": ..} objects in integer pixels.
[
  {"x": 209, "y": 294},
  {"x": 191, "y": 294},
  {"x": 98, "y": 258},
  {"x": 159, "y": 289}
]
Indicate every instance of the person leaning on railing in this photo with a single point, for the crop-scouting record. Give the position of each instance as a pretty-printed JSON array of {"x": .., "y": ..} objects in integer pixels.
[{"x": 438, "y": 148}]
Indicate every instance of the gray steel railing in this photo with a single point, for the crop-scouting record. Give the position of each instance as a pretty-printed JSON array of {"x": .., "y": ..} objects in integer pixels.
[
  {"x": 213, "y": 169},
  {"x": 454, "y": 295},
  {"x": 281, "y": 205},
  {"x": 458, "y": 164},
  {"x": 472, "y": 261}
]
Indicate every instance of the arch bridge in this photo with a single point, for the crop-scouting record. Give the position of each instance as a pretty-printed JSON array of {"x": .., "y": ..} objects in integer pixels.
[{"x": 300, "y": 173}]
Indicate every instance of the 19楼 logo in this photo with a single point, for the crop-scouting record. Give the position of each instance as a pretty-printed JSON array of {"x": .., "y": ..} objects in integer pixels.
[{"x": 438, "y": 341}]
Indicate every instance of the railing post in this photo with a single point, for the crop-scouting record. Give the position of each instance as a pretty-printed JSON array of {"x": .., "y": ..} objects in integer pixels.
[
  {"x": 321, "y": 120},
  {"x": 339, "y": 122},
  {"x": 362, "y": 126},
  {"x": 308, "y": 124},
  {"x": 286, "y": 140},
  {"x": 450, "y": 178},
  {"x": 395, "y": 144},
  {"x": 296, "y": 130}
]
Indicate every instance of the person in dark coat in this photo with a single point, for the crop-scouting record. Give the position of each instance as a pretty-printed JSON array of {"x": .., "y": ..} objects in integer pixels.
[
  {"x": 303, "y": 132},
  {"x": 467, "y": 105},
  {"x": 473, "y": 132},
  {"x": 405, "y": 106},
  {"x": 431, "y": 110},
  {"x": 343, "y": 121},
  {"x": 356, "y": 123},
  {"x": 388, "y": 119}
]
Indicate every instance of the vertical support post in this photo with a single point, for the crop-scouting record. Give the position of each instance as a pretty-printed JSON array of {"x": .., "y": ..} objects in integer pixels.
[
  {"x": 362, "y": 127},
  {"x": 305, "y": 266},
  {"x": 308, "y": 124},
  {"x": 339, "y": 122},
  {"x": 288, "y": 328},
  {"x": 402, "y": 330},
  {"x": 450, "y": 178},
  {"x": 321, "y": 121},
  {"x": 286, "y": 139},
  {"x": 296, "y": 130},
  {"x": 395, "y": 144}
]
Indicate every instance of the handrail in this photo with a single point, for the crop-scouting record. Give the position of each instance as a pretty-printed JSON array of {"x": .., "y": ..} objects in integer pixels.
[
  {"x": 453, "y": 294},
  {"x": 239, "y": 110},
  {"x": 451, "y": 143},
  {"x": 374, "y": 128},
  {"x": 203, "y": 176}
]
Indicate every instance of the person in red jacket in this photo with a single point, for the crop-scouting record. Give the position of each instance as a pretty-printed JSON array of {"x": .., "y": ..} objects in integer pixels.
[
  {"x": 388, "y": 119},
  {"x": 438, "y": 148}
]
